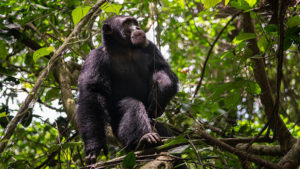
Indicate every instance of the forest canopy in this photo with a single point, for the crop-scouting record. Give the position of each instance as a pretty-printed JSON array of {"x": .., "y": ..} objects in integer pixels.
[{"x": 238, "y": 104}]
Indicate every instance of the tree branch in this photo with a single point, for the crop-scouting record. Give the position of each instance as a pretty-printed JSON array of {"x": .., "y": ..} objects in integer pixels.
[
  {"x": 241, "y": 154},
  {"x": 63, "y": 74},
  {"x": 276, "y": 124},
  {"x": 291, "y": 159},
  {"x": 261, "y": 149},
  {"x": 234, "y": 141},
  {"x": 43, "y": 75}
]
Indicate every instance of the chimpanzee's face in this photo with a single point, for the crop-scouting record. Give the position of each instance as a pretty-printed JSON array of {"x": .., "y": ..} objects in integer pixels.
[{"x": 125, "y": 29}]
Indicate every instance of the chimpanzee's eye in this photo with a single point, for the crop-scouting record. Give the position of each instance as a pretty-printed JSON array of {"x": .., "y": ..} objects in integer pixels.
[
  {"x": 129, "y": 22},
  {"x": 126, "y": 23}
]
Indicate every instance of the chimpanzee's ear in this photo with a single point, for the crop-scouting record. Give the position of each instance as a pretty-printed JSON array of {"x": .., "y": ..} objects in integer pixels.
[{"x": 106, "y": 29}]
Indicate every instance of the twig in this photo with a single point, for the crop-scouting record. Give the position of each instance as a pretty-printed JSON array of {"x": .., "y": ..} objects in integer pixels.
[
  {"x": 196, "y": 152},
  {"x": 90, "y": 26},
  {"x": 48, "y": 106},
  {"x": 259, "y": 134},
  {"x": 54, "y": 153},
  {"x": 27, "y": 81},
  {"x": 30, "y": 24},
  {"x": 210, "y": 50}
]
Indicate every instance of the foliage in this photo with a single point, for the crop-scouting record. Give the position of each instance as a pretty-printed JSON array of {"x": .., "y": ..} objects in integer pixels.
[{"x": 228, "y": 99}]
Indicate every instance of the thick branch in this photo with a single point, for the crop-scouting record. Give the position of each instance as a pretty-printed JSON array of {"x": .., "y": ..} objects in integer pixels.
[
  {"x": 147, "y": 154},
  {"x": 261, "y": 149},
  {"x": 241, "y": 154},
  {"x": 160, "y": 162},
  {"x": 234, "y": 141},
  {"x": 63, "y": 74},
  {"x": 291, "y": 159},
  {"x": 276, "y": 124},
  {"x": 43, "y": 75}
]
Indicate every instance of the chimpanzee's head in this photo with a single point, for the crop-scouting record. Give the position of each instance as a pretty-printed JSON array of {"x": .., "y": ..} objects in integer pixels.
[{"x": 123, "y": 30}]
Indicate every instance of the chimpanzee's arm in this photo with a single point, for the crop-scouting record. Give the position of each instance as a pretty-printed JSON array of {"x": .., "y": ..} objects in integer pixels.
[
  {"x": 163, "y": 85},
  {"x": 94, "y": 88}
]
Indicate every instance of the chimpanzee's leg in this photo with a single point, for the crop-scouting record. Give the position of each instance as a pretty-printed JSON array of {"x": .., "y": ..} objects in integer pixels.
[{"x": 134, "y": 127}]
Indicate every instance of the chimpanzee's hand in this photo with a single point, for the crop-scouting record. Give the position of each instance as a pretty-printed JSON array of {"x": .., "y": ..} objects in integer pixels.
[
  {"x": 149, "y": 140},
  {"x": 91, "y": 154}
]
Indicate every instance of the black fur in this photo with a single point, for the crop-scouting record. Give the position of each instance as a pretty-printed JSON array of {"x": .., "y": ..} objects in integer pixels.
[{"x": 125, "y": 80}]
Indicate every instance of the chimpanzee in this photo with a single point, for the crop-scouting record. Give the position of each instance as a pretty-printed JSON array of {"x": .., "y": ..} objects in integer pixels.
[{"x": 124, "y": 82}]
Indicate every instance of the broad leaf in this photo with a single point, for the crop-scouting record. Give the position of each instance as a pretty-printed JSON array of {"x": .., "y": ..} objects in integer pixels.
[
  {"x": 253, "y": 88},
  {"x": 271, "y": 28},
  {"x": 52, "y": 94},
  {"x": 111, "y": 7},
  {"x": 71, "y": 144},
  {"x": 210, "y": 3},
  {"x": 3, "y": 50},
  {"x": 228, "y": 54},
  {"x": 79, "y": 13},
  {"x": 233, "y": 100},
  {"x": 42, "y": 52},
  {"x": 293, "y": 21},
  {"x": 177, "y": 140},
  {"x": 242, "y": 37},
  {"x": 240, "y": 4},
  {"x": 251, "y": 2},
  {"x": 129, "y": 161},
  {"x": 226, "y": 2},
  {"x": 262, "y": 44}
]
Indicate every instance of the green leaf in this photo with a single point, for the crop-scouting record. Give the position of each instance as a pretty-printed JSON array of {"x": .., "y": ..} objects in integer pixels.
[
  {"x": 71, "y": 144},
  {"x": 251, "y": 2},
  {"x": 51, "y": 95},
  {"x": 111, "y": 7},
  {"x": 226, "y": 2},
  {"x": 5, "y": 119},
  {"x": 210, "y": 3},
  {"x": 291, "y": 36},
  {"x": 181, "y": 3},
  {"x": 262, "y": 44},
  {"x": 271, "y": 28},
  {"x": 79, "y": 13},
  {"x": 253, "y": 88},
  {"x": 42, "y": 52},
  {"x": 3, "y": 114},
  {"x": 179, "y": 149},
  {"x": 293, "y": 21},
  {"x": 233, "y": 100},
  {"x": 53, "y": 148},
  {"x": 219, "y": 90},
  {"x": 129, "y": 161},
  {"x": 228, "y": 54},
  {"x": 287, "y": 43},
  {"x": 240, "y": 4},
  {"x": 177, "y": 140},
  {"x": 3, "y": 50},
  {"x": 242, "y": 37},
  {"x": 243, "y": 128}
]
